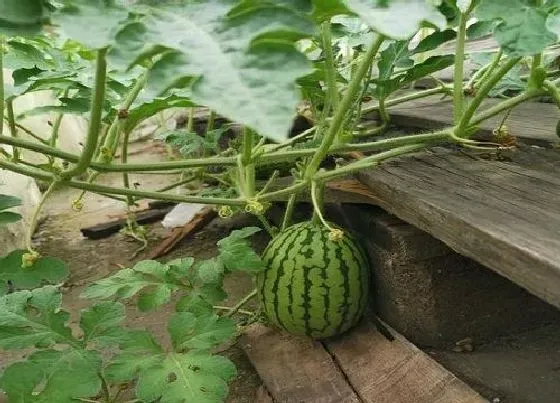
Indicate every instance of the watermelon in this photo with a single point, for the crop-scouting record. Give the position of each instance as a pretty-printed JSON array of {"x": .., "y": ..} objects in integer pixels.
[{"x": 312, "y": 285}]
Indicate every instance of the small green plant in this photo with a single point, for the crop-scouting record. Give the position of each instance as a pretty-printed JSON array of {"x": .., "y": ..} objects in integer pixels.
[{"x": 98, "y": 361}]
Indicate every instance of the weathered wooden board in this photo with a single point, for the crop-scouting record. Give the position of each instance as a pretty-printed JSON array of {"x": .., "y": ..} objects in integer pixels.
[
  {"x": 505, "y": 215},
  {"x": 381, "y": 371},
  {"x": 295, "y": 369},
  {"x": 530, "y": 121}
]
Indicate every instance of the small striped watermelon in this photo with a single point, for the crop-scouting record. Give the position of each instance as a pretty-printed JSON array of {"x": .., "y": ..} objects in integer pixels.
[{"x": 313, "y": 286}]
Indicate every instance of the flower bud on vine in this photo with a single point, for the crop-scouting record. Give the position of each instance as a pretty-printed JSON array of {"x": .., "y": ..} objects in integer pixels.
[
  {"x": 254, "y": 206},
  {"x": 77, "y": 205},
  {"x": 29, "y": 259},
  {"x": 225, "y": 212}
]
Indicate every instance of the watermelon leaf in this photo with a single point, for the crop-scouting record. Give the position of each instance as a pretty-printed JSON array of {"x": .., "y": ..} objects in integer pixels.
[
  {"x": 8, "y": 217},
  {"x": 45, "y": 269},
  {"x": 189, "y": 331},
  {"x": 63, "y": 376},
  {"x": 29, "y": 318},
  {"x": 153, "y": 281},
  {"x": 174, "y": 376},
  {"x": 237, "y": 254}
]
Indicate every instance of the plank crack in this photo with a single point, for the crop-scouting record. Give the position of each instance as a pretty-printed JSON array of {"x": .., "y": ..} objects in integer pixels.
[{"x": 341, "y": 370}]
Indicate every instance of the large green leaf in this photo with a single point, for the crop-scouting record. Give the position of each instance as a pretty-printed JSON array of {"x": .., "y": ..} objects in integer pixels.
[
  {"x": 234, "y": 58},
  {"x": 44, "y": 269},
  {"x": 522, "y": 29},
  {"x": 323, "y": 10},
  {"x": 53, "y": 376},
  {"x": 24, "y": 55},
  {"x": 94, "y": 23},
  {"x": 237, "y": 254},
  {"x": 196, "y": 376},
  {"x": 21, "y": 17},
  {"x": 102, "y": 322},
  {"x": 398, "y": 19},
  {"x": 199, "y": 332},
  {"x": 29, "y": 318}
]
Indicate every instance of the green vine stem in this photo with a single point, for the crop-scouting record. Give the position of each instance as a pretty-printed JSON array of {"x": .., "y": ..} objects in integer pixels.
[
  {"x": 481, "y": 95},
  {"x": 458, "y": 94},
  {"x": 31, "y": 134},
  {"x": 242, "y": 302},
  {"x": 369, "y": 161},
  {"x": 109, "y": 190},
  {"x": 12, "y": 126},
  {"x": 56, "y": 125},
  {"x": 553, "y": 91},
  {"x": 223, "y": 161},
  {"x": 247, "y": 167},
  {"x": 330, "y": 68},
  {"x": 124, "y": 160},
  {"x": 112, "y": 138},
  {"x": 35, "y": 217},
  {"x": 535, "y": 66},
  {"x": 95, "y": 118},
  {"x": 318, "y": 199},
  {"x": 211, "y": 122},
  {"x": 507, "y": 104},
  {"x": 411, "y": 97},
  {"x": 190, "y": 120},
  {"x": 344, "y": 106},
  {"x": 287, "y": 221},
  {"x": 490, "y": 68}
]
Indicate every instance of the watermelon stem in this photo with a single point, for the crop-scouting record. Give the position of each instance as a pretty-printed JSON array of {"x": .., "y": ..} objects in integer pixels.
[
  {"x": 317, "y": 199},
  {"x": 242, "y": 302}
]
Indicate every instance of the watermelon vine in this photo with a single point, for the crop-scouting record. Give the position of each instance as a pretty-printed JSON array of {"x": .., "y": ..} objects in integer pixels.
[{"x": 254, "y": 65}]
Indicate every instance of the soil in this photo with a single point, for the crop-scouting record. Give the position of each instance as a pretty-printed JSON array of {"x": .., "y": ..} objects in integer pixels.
[{"x": 89, "y": 260}]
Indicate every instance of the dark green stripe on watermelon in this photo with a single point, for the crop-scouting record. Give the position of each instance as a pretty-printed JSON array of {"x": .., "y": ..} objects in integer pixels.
[{"x": 313, "y": 286}]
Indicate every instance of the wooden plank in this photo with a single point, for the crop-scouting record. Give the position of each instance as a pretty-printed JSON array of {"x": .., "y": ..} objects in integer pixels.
[
  {"x": 381, "y": 371},
  {"x": 295, "y": 369},
  {"x": 529, "y": 121},
  {"x": 103, "y": 230},
  {"x": 504, "y": 215}
]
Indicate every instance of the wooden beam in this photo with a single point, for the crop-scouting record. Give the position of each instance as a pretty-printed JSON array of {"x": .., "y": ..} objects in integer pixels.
[
  {"x": 505, "y": 215},
  {"x": 295, "y": 369},
  {"x": 359, "y": 366},
  {"x": 381, "y": 371}
]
